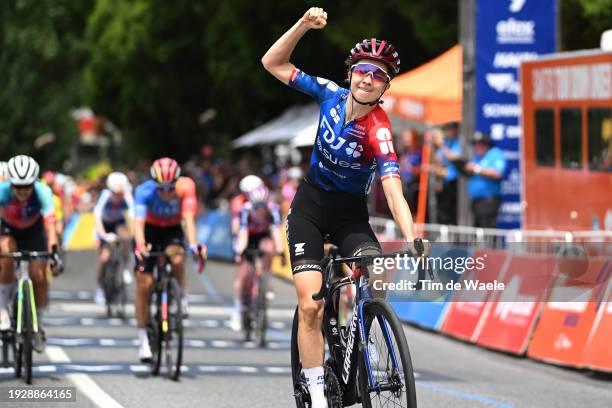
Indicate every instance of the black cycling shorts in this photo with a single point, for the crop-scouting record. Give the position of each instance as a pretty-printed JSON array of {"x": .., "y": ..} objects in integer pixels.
[
  {"x": 32, "y": 238},
  {"x": 111, "y": 227},
  {"x": 160, "y": 238},
  {"x": 316, "y": 213}
]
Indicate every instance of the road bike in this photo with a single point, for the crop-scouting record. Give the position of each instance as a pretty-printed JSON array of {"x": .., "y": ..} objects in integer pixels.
[
  {"x": 369, "y": 359},
  {"x": 255, "y": 287},
  {"x": 24, "y": 319},
  {"x": 113, "y": 283},
  {"x": 165, "y": 328}
]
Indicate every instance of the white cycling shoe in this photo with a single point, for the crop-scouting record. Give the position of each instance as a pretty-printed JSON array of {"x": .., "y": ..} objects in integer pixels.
[
  {"x": 235, "y": 321},
  {"x": 144, "y": 353},
  {"x": 5, "y": 320}
]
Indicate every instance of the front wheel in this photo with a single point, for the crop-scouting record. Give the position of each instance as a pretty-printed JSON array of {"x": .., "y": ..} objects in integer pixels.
[
  {"x": 173, "y": 336},
  {"x": 387, "y": 359}
]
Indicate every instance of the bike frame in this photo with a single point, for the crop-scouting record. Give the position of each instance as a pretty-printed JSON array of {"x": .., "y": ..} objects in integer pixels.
[
  {"x": 24, "y": 283},
  {"x": 161, "y": 274}
]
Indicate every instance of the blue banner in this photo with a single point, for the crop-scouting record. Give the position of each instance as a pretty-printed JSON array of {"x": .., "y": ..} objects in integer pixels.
[
  {"x": 214, "y": 229},
  {"x": 507, "y": 33}
]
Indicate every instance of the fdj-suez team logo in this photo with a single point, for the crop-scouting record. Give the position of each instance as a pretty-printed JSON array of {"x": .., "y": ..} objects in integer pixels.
[
  {"x": 385, "y": 141},
  {"x": 354, "y": 150}
]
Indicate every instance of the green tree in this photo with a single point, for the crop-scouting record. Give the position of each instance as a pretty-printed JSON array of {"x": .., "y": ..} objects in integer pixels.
[{"x": 42, "y": 53}]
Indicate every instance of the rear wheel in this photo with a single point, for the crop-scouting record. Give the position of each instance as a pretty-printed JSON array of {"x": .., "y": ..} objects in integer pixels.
[
  {"x": 261, "y": 313},
  {"x": 247, "y": 312},
  {"x": 388, "y": 358},
  {"x": 173, "y": 338},
  {"x": 155, "y": 333},
  {"x": 25, "y": 345}
]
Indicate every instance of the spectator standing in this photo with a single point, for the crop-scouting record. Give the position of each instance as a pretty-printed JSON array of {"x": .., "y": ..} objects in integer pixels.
[
  {"x": 485, "y": 170},
  {"x": 410, "y": 166},
  {"x": 446, "y": 139}
]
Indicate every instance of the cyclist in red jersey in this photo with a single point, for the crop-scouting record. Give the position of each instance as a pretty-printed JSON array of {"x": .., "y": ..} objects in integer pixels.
[
  {"x": 161, "y": 205},
  {"x": 259, "y": 228}
]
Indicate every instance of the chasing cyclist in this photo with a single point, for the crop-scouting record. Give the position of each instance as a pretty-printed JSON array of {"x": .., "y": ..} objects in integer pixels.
[
  {"x": 260, "y": 223},
  {"x": 111, "y": 224},
  {"x": 353, "y": 140},
  {"x": 27, "y": 223},
  {"x": 161, "y": 205}
]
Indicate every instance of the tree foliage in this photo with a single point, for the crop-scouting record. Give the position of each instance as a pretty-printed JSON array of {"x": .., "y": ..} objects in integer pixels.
[
  {"x": 153, "y": 66},
  {"x": 42, "y": 54}
]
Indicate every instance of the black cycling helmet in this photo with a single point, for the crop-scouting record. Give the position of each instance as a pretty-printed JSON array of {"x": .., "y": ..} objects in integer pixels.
[{"x": 377, "y": 50}]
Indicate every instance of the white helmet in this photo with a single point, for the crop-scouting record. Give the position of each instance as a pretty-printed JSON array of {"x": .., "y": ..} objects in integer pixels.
[
  {"x": 250, "y": 183},
  {"x": 23, "y": 170},
  {"x": 4, "y": 174},
  {"x": 117, "y": 181},
  {"x": 259, "y": 195}
]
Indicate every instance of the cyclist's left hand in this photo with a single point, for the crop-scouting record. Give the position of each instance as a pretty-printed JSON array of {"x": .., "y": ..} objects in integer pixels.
[
  {"x": 57, "y": 266},
  {"x": 412, "y": 247},
  {"x": 199, "y": 254}
]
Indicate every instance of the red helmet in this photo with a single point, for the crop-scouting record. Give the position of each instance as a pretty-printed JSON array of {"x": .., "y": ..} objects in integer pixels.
[
  {"x": 377, "y": 50},
  {"x": 49, "y": 177},
  {"x": 165, "y": 170}
]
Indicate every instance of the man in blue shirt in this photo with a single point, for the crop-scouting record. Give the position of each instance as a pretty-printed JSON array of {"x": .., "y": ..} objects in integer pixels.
[
  {"x": 448, "y": 149},
  {"x": 485, "y": 170}
]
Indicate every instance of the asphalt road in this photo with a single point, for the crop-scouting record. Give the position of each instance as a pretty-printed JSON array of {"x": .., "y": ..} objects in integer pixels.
[{"x": 99, "y": 357}]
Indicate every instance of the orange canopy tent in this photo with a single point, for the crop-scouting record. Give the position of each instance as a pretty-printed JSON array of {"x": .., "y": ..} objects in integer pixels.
[{"x": 430, "y": 93}]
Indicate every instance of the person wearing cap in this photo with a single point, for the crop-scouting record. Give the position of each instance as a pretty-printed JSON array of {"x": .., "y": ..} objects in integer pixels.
[
  {"x": 446, "y": 139},
  {"x": 485, "y": 170}
]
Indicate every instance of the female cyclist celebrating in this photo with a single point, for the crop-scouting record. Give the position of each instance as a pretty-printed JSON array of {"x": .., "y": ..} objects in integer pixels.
[{"x": 353, "y": 140}]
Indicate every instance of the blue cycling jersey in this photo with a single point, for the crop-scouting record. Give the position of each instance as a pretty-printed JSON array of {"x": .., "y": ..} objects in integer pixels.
[
  {"x": 23, "y": 214},
  {"x": 112, "y": 211},
  {"x": 345, "y": 157}
]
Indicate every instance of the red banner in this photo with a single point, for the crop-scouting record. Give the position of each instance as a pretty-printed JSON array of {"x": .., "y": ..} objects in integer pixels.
[
  {"x": 508, "y": 323},
  {"x": 598, "y": 351},
  {"x": 568, "y": 319},
  {"x": 465, "y": 310}
]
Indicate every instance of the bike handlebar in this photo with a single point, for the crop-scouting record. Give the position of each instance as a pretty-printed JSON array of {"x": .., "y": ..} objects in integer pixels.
[{"x": 419, "y": 246}]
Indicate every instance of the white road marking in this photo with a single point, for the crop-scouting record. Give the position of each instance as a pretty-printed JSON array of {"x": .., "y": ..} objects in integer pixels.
[
  {"x": 82, "y": 381},
  {"x": 194, "y": 310}
]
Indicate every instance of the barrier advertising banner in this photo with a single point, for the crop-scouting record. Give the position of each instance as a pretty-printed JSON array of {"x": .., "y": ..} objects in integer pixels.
[
  {"x": 598, "y": 353},
  {"x": 510, "y": 320},
  {"x": 569, "y": 317},
  {"x": 466, "y": 308},
  {"x": 508, "y": 33}
]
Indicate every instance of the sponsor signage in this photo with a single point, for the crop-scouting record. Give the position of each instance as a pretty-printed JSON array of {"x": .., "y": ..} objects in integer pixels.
[{"x": 508, "y": 33}]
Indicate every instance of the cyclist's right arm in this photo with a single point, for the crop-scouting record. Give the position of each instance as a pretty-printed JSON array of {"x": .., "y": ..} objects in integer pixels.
[
  {"x": 140, "y": 214},
  {"x": 97, "y": 212},
  {"x": 243, "y": 231},
  {"x": 276, "y": 59}
]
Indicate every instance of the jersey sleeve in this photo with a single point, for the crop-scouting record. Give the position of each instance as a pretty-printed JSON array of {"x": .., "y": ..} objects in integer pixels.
[
  {"x": 45, "y": 195},
  {"x": 381, "y": 141},
  {"x": 99, "y": 207},
  {"x": 244, "y": 215},
  {"x": 129, "y": 200},
  {"x": 276, "y": 214},
  {"x": 141, "y": 195},
  {"x": 186, "y": 189},
  {"x": 318, "y": 88}
]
